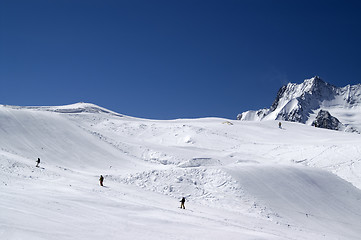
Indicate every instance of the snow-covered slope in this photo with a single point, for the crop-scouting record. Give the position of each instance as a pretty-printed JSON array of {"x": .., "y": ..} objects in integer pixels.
[
  {"x": 302, "y": 102},
  {"x": 242, "y": 180}
]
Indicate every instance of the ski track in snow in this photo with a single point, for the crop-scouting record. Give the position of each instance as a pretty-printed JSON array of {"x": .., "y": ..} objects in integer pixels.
[{"x": 242, "y": 180}]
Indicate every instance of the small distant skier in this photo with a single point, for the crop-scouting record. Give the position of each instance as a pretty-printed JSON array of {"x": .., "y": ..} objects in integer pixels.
[
  {"x": 101, "y": 180},
  {"x": 280, "y": 125},
  {"x": 37, "y": 162},
  {"x": 182, "y": 203}
]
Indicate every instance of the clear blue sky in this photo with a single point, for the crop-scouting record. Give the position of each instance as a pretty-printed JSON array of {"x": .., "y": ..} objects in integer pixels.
[{"x": 173, "y": 59}]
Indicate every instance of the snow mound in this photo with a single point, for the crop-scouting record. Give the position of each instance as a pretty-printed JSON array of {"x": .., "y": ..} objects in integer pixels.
[
  {"x": 211, "y": 187},
  {"x": 198, "y": 162},
  {"x": 71, "y": 108}
]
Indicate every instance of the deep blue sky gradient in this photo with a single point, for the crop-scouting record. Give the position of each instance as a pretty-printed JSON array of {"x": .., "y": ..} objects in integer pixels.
[{"x": 173, "y": 59}]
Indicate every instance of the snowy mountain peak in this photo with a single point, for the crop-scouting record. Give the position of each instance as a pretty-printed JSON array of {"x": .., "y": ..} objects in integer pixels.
[
  {"x": 301, "y": 103},
  {"x": 315, "y": 81}
]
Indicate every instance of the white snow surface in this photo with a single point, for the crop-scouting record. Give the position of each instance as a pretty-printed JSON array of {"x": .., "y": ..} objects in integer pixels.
[{"x": 242, "y": 180}]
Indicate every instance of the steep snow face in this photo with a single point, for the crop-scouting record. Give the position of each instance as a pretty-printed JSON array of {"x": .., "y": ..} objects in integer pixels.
[
  {"x": 242, "y": 180},
  {"x": 301, "y": 103}
]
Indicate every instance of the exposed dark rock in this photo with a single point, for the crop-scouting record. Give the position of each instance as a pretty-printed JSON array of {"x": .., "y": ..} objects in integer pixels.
[{"x": 325, "y": 120}]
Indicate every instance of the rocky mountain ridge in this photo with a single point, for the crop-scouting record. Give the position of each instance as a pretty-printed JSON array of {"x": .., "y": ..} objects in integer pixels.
[{"x": 302, "y": 103}]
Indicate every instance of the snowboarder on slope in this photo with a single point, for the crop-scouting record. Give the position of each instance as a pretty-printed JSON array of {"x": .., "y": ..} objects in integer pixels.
[
  {"x": 182, "y": 203},
  {"x": 280, "y": 125},
  {"x": 37, "y": 162},
  {"x": 101, "y": 180}
]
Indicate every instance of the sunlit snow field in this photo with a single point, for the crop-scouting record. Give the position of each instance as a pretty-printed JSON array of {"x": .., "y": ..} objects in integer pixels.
[{"x": 242, "y": 180}]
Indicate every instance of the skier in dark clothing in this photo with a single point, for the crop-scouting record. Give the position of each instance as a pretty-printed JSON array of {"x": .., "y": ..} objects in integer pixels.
[
  {"x": 101, "y": 180},
  {"x": 37, "y": 162},
  {"x": 182, "y": 203}
]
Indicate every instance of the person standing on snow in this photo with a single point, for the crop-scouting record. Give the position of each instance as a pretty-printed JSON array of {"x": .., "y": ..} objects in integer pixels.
[
  {"x": 37, "y": 162},
  {"x": 182, "y": 203},
  {"x": 101, "y": 180}
]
